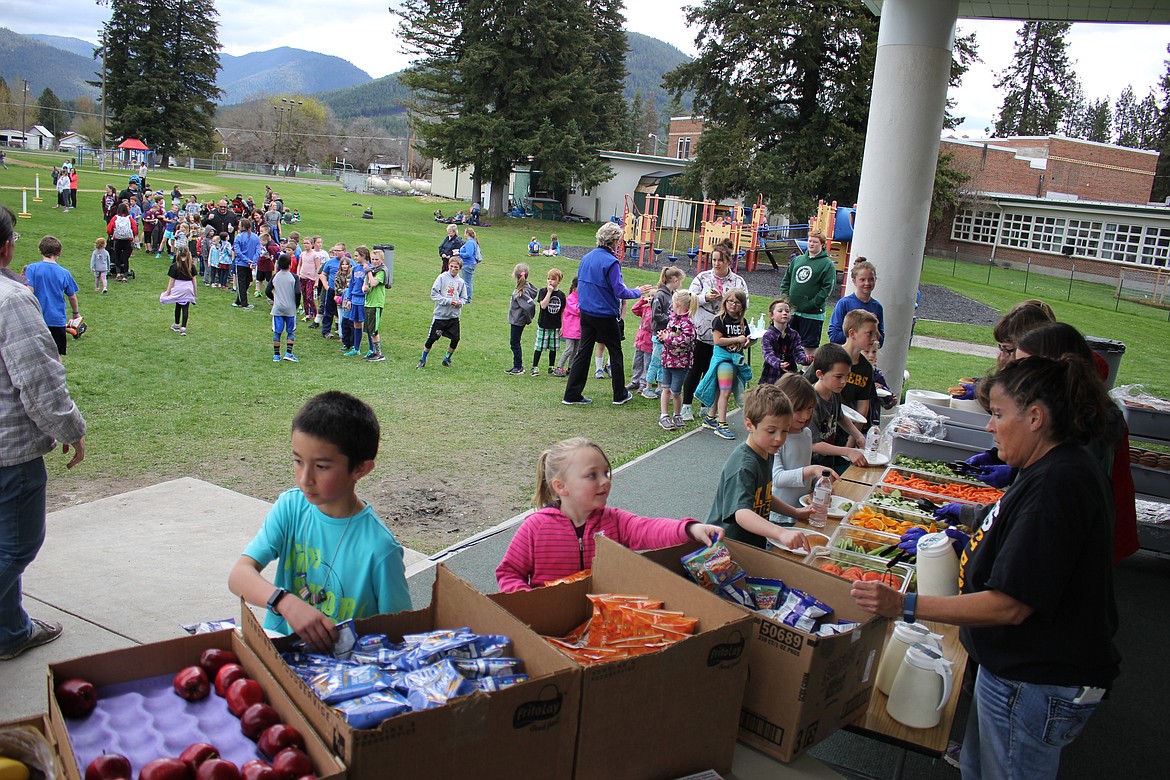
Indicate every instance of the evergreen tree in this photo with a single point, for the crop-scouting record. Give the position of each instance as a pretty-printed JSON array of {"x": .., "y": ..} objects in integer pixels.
[
  {"x": 1072, "y": 123},
  {"x": 1096, "y": 125},
  {"x": 51, "y": 113},
  {"x": 1162, "y": 174},
  {"x": 162, "y": 59},
  {"x": 1136, "y": 123},
  {"x": 491, "y": 78},
  {"x": 785, "y": 89},
  {"x": 9, "y": 113},
  {"x": 634, "y": 122},
  {"x": 651, "y": 123},
  {"x": 1034, "y": 83},
  {"x": 964, "y": 54}
]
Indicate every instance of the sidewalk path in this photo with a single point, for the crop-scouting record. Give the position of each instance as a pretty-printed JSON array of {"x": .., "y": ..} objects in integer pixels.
[{"x": 961, "y": 347}]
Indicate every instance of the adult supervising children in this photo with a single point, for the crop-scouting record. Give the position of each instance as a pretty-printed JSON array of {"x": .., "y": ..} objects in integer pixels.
[
  {"x": 247, "y": 249},
  {"x": 600, "y": 292},
  {"x": 808, "y": 282},
  {"x": 35, "y": 413},
  {"x": 708, "y": 288}
]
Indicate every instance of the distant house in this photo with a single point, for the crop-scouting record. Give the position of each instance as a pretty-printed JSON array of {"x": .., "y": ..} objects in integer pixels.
[
  {"x": 11, "y": 137},
  {"x": 40, "y": 138},
  {"x": 70, "y": 142}
]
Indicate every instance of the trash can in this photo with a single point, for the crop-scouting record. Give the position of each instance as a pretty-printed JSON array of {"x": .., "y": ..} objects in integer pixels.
[
  {"x": 1111, "y": 351},
  {"x": 388, "y": 251}
]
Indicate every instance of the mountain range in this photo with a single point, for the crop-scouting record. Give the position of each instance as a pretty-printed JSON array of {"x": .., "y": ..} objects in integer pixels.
[{"x": 65, "y": 65}]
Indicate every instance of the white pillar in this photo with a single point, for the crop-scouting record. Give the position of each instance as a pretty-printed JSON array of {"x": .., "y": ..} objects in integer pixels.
[{"x": 910, "y": 81}]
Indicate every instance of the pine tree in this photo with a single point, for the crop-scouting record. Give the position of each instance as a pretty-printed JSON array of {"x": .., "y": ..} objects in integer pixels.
[
  {"x": 1162, "y": 174},
  {"x": 964, "y": 54},
  {"x": 9, "y": 113},
  {"x": 51, "y": 113},
  {"x": 1096, "y": 125},
  {"x": 162, "y": 59},
  {"x": 785, "y": 89},
  {"x": 1136, "y": 123},
  {"x": 490, "y": 78},
  {"x": 634, "y": 122},
  {"x": 651, "y": 125},
  {"x": 1034, "y": 83}
]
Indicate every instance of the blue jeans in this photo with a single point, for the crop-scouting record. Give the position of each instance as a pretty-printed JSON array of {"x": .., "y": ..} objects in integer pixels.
[
  {"x": 22, "y": 531},
  {"x": 654, "y": 373},
  {"x": 467, "y": 273},
  {"x": 1017, "y": 730}
]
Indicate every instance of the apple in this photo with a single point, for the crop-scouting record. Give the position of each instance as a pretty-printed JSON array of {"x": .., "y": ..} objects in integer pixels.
[
  {"x": 228, "y": 674},
  {"x": 109, "y": 766},
  {"x": 192, "y": 684},
  {"x": 277, "y": 738},
  {"x": 258, "y": 770},
  {"x": 76, "y": 697},
  {"x": 292, "y": 763},
  {"x": 213, "y": 659},
  {"x": 195, "y": 754},
  {"x": 257, "y": 719},
  {"x": 217, "y": 769},
  {"x": 243, "y": 694},
  {"x": 166, "y": 769}
]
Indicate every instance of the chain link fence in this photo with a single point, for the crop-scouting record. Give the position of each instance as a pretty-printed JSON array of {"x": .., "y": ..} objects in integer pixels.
[{"x": 1143, "y": 291}]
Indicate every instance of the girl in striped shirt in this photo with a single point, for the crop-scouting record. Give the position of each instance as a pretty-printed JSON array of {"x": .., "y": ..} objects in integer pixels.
[{"x": 557, "y": 540}]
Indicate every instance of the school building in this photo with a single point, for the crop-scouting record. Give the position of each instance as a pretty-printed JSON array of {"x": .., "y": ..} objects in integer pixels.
[{"x": 1056, "y": 201}]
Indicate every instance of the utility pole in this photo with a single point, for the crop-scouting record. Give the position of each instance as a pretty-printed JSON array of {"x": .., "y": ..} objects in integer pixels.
[{"x": 23, "y": 109}]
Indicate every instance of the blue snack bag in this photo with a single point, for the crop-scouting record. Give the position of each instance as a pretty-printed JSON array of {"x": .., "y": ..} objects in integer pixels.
[{"x": 366, "y": 712}]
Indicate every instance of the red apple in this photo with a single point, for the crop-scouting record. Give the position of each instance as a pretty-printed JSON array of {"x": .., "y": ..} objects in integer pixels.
[
  {"x": 192, "y": 684},
  {"x": 213, "y": 659},
  {"x": 217, "y": 769},
  {"x": 109, "y": 766},
  {"x": 292, "y": 763},
  {"x": 258, "y": 770},
  {"x": 243, "y": 694},
  {"x": 277, "y": 738},
  {"x": 257, "y": 719},
  {"x": 76, "y": 697},
  {"x": 195, "y": 754},
  {"x": 228, "y": 674},
  {"x": 166, "y": 769}
]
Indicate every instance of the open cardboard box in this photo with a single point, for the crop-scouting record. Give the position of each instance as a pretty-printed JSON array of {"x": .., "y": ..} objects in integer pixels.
[
  {"x": 801, "y": 688},
  {"x": 136, "y": 663},
  {"x": 17, "y": 739},
  {"x": 527, "y": 730},
  {"x": 659, "y": 715}
]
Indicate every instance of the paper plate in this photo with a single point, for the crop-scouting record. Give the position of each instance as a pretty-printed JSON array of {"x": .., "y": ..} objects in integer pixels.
[
  {"x": 853, "y": 414},
  {"x": 876, "y": 458},
  {"x": 838, "y": 508},
  {"x": 883, "y": 393},
  {"x": 774, "y": 546}
]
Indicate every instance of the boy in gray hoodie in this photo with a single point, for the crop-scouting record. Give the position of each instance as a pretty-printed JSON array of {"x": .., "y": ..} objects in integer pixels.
[
  {"x": 286, "y": 298},
  {"x": 449, "y": 292}
]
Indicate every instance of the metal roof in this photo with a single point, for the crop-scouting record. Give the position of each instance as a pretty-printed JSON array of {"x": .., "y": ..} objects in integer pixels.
[{"x": 1130, "y": 11}]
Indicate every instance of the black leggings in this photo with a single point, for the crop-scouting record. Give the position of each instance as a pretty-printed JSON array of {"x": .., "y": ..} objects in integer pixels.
[
  {"x": 123, "y": 248},
  {"x": 181, "y": 310},
  {"x": 703, "y": 352},
  {"x": 243, "y": 282}
]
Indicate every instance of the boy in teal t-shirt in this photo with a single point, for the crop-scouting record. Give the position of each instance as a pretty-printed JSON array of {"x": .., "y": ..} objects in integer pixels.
[{"x": 336, "y": 560}]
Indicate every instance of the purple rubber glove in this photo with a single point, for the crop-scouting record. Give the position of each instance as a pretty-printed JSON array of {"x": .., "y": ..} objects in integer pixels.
[
  {"x": 996, "y": 476},
  {"x": 967, "y": 393},
  {"x": 948, "y": 513},
  {"x": 983, "y": 459},
  {"x": 958, "y": 539},
  {"x": 910, "y": 539}
]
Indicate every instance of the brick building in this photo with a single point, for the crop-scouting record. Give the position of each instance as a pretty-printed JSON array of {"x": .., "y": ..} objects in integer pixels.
[
  {"x": 1052, "y": 200},
  {"x": 683, "y": 137}
]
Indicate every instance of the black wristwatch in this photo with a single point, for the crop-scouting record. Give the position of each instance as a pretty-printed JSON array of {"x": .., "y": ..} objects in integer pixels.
[
  {"x": 274, "y": 599},
  {"x": 909, "y": 607}
]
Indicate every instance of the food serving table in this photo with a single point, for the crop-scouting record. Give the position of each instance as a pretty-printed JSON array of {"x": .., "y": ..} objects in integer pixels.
[{"x": 855, "y": 484}]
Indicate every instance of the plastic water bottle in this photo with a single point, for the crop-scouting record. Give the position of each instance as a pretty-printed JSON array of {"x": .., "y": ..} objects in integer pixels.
[
  {"x": 760, "y": 324},
  {"x": 871, "y": 438},
  {"x": 822, "y": 496}
]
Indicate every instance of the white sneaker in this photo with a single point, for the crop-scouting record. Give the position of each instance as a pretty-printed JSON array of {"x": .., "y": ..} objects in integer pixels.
[{"x": 687, "y": 414}]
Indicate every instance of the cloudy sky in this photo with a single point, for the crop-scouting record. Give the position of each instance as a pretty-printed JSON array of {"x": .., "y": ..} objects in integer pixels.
[{"x": 1108, "y": 57}]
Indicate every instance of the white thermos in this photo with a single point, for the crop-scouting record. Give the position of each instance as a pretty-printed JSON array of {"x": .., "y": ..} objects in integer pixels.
[
  {"x": 903, "y": 636},
  {"x": 938, "y": 566},
  {"x": 921, "y": 688}
]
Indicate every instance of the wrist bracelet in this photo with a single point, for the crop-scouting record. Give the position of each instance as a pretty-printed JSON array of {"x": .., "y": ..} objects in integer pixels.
[{"x": 909, "y": 607}]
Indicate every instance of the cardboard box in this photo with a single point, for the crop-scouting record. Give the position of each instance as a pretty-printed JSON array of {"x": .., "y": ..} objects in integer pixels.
[
  {"x": 660, "y": 715},
  {"x": 136, "y": 663},
  {"x": 801, "y": 688},
  {"x": 17, "y": 741},
  {"x": 526, "y": 730}
]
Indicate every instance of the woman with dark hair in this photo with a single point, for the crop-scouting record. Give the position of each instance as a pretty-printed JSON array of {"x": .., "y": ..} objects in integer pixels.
[
  {"x": 1035, "y": 604},
  {"x": 1061, "y": 341}
]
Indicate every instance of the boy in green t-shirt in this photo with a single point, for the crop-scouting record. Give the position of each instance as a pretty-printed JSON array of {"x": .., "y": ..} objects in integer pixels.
[
  {"x": 744, "y": 497},
  {"x": 375, "y": 286}
]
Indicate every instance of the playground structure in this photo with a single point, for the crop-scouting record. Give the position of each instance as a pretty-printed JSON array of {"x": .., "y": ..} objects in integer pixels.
[{"x": 703, "y": 224}]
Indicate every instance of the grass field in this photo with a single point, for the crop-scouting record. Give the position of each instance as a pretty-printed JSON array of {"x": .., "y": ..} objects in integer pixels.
[{"x": 459, "y": 445}]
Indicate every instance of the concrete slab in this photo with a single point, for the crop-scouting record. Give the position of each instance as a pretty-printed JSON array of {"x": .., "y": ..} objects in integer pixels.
[{"x": 132, "y": 569}]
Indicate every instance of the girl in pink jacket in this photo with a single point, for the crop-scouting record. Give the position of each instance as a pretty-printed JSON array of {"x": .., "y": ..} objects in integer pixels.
[
  {"x": 570, "y": 330},
  {"x": 572, "y": 487}
]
